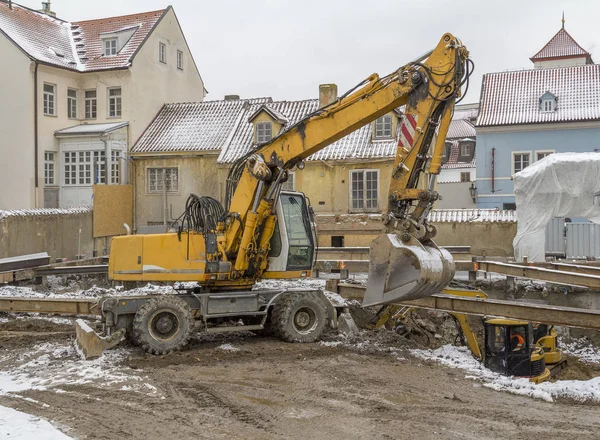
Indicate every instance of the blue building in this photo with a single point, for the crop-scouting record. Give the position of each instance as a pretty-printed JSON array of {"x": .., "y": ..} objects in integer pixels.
[{"x": 526, "y": 115}]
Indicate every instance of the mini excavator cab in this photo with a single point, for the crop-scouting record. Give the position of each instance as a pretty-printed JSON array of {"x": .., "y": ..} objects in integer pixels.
[{"x": 510, "y": 350}]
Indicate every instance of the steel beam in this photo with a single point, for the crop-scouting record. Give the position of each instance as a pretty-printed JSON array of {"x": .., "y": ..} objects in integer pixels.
[
  {"x": 58, "y": 306},
  {"x": 23, "y": 261},
  {"x": 540, "y": 273},
  {"x": 565, "y": 316},
  {"x": 71, "y": 270}
]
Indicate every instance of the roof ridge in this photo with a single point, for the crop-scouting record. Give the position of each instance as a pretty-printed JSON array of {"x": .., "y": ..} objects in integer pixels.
[
  {"x": 120, "y": 16},
  {"x": 545, "y": 69},
  {"x": 41, "y": 14}
]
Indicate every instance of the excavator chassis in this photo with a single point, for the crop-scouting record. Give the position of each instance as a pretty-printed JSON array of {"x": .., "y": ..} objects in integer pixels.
[{"x": 164, "y": 323}]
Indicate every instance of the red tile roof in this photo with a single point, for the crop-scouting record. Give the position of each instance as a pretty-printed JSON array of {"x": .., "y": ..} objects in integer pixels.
[
  {"x": 76, "y": 46},
  {"x": 561, "y": 45},
  {"x": 509, "y": 98}
]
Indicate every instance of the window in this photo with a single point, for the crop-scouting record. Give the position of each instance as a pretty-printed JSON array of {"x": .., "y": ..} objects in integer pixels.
[
  {"x": 162, "y": 53},
  {"x": 509, "y": 206},
  {"x": 49, "y": 168},
  {"x": 70, "y": 167},
  {"x": 115, "y": 166},
  {"x": 156, "y": 176},
  {"x": 364, "y": 190},
  {"x": 383, "y": 127},
  {"x": 263, "y": 132},
  {"x": 110, "y": 46},
  {"x": 90, "y": 104},
  {"x": 50, "y": 99},
  {"x": 290, "y": 184},
  {"x": 465, "y": 177},
  {"x": 539, "y": 155},
  {"x": 521, "y": 161},
  {"x": 114, "y": 102},
  {"x": 72, "y": 103},
  {"x": 465, "y": 149},
  {"x": 180, "y": 60},
  {"x": 337, "y": 241},
  {"x": 548, "y": 102}
]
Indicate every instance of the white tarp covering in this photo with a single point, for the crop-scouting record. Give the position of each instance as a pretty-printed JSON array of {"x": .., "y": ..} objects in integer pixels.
[{"x": 560, "y": 185}]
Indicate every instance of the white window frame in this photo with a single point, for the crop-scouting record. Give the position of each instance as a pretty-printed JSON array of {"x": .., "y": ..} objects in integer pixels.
[
  {"x": 551, "y": 104},
  {"x": 261, "y": 138},
  {"x": 290, "y": 184},
  {"x": 365, "y": 199},
  {"x": 90, "y": 104},
  {"x": 462, "y": 151},
  {"x": 467, "y": 174},
  {"x": 110, "y": 49},
  {"x": 72, "y": 104},
  {"x": 118, "y": 103},
  {"x": 49, "y": 102},
  {"x": 546, "y": 152},
  {"x": 158, "y": 191},
  {"x": 512, "y": 162},
  {"x": 380, "y": 125},
  {"x": 180, "y": 59},
  {"x": 162, "y": 52},
  {"x": 50, "y": 168}
]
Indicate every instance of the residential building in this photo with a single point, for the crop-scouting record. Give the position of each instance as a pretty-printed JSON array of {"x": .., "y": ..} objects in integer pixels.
[
  {"x": 189, "y": 148},
  {"x": 526, "y": 115},
  {"x": 76, "y": 96}
]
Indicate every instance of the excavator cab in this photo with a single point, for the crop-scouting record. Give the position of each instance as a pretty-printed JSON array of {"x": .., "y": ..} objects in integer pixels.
[{"x": 510, "y": 350}]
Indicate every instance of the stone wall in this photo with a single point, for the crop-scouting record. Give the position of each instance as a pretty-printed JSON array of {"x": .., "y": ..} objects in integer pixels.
[{"x": 62, "y": 233}]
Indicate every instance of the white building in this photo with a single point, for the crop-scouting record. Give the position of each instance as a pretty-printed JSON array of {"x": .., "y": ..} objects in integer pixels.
[{"x": 76, "y": 95}]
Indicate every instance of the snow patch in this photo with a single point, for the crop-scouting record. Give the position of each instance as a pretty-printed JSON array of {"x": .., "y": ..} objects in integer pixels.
[
  {"x": 228, "y": 347},
  {"x": 17, "y": 425},
  {"x": 460, "y": 357}
]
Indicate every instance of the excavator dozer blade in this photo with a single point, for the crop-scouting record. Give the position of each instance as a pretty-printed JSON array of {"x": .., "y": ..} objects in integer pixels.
[
  {"x": 91, "y": 345},
  {"x": 403, "y": 271}
]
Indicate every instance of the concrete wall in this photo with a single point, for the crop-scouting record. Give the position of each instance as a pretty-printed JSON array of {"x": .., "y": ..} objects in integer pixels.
[
  {"x": 197, "y": 174},
  {"x": 455, "y": 195},
  {"x": 485, "y": 238},
  {"x": 560, "y": 138},
  {"x": 16, "y": 129},
  {"x": 53, "y": 231}
]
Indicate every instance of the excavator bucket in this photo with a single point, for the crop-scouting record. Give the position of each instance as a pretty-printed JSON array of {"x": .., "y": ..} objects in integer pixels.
[
  {"x": 91, "y": 345},
  {"x": 403, "y": 271}
]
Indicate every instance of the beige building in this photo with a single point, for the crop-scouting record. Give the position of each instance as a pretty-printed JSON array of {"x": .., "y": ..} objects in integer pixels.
[{"x": 77, "y": 95}]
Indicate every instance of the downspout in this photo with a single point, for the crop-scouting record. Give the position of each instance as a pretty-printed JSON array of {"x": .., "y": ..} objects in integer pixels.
[
  {"x": 493, "y": 154},
  {"x": 35, "y": 130}
]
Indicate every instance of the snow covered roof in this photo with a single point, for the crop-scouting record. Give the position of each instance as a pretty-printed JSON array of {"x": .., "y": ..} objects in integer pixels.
[
  {"x": 509, "y": 98},
  {"x": 274, "y": 113},
  {"x": 357, "y": 145},
  {"x": 90, "y": 129},
  {"x": 455, "y": 160},
  {"x": 561, "y": 46},
  {"x": 78, "y": 45},
  {"x": 471, "y": 215},
  {"x": 45, "y": 212},
  {"x": 194, "y": 126},
  {"x": 460, "y": 129}
]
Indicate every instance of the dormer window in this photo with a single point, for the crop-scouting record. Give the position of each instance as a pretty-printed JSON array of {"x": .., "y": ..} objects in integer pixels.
[
  {"x": 465, "y": 149},
  {"x": 548, "y": 103},
  {"x": 383, "y": 127},
  {"x": 264, "y": 132},
  {"x": 110, "y": 47}
]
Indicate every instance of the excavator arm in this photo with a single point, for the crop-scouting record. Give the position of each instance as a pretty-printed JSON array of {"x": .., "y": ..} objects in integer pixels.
[{"x": 427, "y": 88}]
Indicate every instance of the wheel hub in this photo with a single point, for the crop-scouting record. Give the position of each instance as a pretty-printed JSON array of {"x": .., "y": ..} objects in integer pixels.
[
  {"x": 302, "y": 318},
  {"x": 163, "y": 325},
  {"x": 305, "y": 320}
]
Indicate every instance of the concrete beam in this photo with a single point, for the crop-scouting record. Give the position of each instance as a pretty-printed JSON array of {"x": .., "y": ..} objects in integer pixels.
[{"x": 59, "y": 306}]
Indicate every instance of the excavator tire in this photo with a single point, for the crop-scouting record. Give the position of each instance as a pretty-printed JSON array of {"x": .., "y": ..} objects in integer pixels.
[
  {"x": 163, "y": 324},
  {"x": 299, "y": 317}
]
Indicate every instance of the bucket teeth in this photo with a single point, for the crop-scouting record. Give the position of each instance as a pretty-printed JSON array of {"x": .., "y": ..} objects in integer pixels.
[
  {"x": 91, "y": 345},
  {"x": 403, "y": 271}
]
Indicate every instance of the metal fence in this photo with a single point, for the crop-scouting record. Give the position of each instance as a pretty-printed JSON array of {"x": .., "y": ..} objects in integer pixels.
[{"x": 572, "y": 240}]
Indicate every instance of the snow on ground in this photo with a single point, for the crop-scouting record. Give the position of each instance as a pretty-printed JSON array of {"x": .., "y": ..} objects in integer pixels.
[
  {"x": 51, "y": 365},
  {"x": 20, "y": 426},
  {"x": 460, "y": 357},
  {"x": 582, "y": 349}
]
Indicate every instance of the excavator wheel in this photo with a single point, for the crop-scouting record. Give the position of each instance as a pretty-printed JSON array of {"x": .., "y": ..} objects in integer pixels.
[
  {"x": 163, "y": 324},
  {"x": 299, "y": 317}
]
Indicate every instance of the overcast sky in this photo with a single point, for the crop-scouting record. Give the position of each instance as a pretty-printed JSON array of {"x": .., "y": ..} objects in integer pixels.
[{"x": 285, "y": 49}]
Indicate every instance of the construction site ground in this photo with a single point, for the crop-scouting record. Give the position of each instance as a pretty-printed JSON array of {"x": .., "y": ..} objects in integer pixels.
[{"x": 242, "y": 386}]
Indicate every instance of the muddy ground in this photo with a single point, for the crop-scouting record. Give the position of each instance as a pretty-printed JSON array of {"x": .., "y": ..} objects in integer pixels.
[{"x": 242, "y": 386}]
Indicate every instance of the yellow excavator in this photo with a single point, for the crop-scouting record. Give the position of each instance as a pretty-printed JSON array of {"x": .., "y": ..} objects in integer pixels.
[
  {"x": 265, "y": 232},
  {"x": 511, "y": 347}
]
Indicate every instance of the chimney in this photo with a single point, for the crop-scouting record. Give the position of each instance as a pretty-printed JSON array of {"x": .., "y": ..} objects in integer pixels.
[
  {"x": 327, "y": 94},
  {"x": 47, "y": 10},
  {"x": 232, "y": 97}
]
